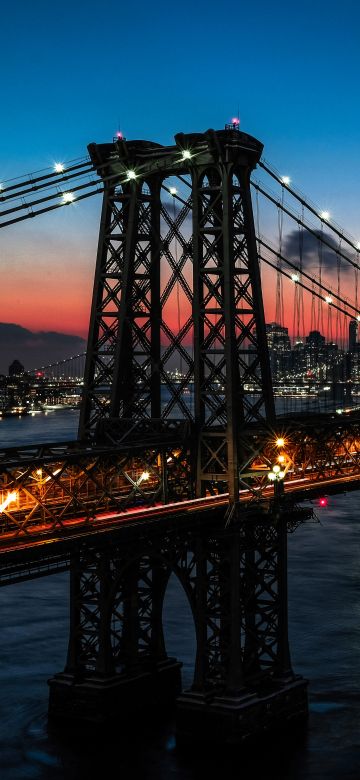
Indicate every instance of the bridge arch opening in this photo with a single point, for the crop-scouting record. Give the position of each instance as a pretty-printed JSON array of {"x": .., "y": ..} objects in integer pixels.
[
  {"x": 151, "y": 615},
  {"x": 179, "y": 628},
  {"x": 176, "y": 297}
]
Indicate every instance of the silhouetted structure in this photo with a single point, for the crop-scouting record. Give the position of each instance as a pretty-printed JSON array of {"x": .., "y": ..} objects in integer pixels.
[
  {"x": 16, "y": 368},
  {"x": 154, "y": 486},
  {"x": 235, "y": 578}
]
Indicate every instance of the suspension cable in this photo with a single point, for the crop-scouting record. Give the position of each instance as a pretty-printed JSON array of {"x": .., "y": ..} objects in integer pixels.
[
  {"x": 307, "y": 204},
  {"x": 305, "y": 287},
  {"x": 300, "y": 221},
  {"x": 326, "y": 289},
  {"x": 50, "y": 208},
  {"x": 43, "y": 182}
]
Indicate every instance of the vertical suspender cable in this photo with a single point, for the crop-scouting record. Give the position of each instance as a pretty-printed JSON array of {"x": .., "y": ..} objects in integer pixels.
[
  {"x": 320, "y": 312},
  {"x": 279, "y": 306},
  {"x": 177, "y": 281}
]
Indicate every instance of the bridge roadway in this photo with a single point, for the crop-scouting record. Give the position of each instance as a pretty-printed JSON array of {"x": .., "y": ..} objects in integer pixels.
[
  {"x": 48, "y": 553},
  {"x": 65, "y": 494}
]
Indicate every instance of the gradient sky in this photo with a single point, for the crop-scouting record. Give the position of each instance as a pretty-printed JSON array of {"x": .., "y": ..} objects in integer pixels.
[{"x": 73, "y": 72}]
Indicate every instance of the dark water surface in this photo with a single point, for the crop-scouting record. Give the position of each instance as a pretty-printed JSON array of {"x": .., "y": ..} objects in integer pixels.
[{"x": 325, "y": 641}]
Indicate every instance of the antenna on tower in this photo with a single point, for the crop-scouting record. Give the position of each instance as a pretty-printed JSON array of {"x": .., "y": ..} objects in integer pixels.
[
  {"x": 234, "y": 124},
  {"x": 119, "y": 136}
]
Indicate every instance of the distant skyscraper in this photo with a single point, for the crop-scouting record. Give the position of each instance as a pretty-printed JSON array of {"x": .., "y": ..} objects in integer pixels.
[
  {"x": 279, "y": 349},
  {"x": 353, "y": 329},
  {"x": 16, "y": 368}
]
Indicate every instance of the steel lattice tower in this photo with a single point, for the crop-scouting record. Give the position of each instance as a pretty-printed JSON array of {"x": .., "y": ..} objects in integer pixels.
[
  {"x": 206, "y": 247},
  {"x": 189, "y": 251}
]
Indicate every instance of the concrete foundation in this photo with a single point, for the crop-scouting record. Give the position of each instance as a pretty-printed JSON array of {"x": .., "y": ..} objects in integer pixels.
[
  {"x": 235, "y": 720},
  {"x": 98, "y": 701}
]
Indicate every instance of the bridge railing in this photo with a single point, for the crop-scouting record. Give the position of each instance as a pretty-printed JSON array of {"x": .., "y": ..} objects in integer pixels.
[{"x": 57, "y": 490}]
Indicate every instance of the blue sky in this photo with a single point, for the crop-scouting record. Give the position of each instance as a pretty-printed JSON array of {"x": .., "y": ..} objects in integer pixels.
[{"x": 72, "y": 71}]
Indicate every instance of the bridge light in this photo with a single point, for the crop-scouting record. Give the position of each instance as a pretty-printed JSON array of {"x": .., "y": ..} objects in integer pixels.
[
  {"x": 358, "y": 317},
  {"x": 324, "y": 215},
  {"x": 39, "y": 472},
  {"x": 295, "y": 277},
  {"x": 59, "y": 168},
  {"x": 68, "y": 197},
  {"x": 11, "y": 497},
  {"x": 131, "y": 175},
  {"x": 281, "y": 459},
  {"x": 276, "y": 474},
  {"x": 280, "y": 442},
  {"x": 186, "y": 155},
  {"x": 145, "y": 476},
  {"x": 285, "y": 180},
  {"x": 173, "y": 191},
  {"x": 328, "y": 299}
]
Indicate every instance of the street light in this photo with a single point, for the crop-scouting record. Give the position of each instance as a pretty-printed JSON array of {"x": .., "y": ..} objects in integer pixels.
[{"x": 277, "y": 475}]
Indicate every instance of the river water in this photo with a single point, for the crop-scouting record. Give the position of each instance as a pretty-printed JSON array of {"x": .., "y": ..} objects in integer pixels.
[{"x": 324, "y": 605}]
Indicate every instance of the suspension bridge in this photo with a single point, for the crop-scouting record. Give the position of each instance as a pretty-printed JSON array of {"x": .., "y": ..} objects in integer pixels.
[{"x": 156, "y": 484}]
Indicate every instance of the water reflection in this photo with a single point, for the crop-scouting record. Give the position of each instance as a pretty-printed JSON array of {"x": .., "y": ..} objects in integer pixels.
[{"x": 324, "y": 599}]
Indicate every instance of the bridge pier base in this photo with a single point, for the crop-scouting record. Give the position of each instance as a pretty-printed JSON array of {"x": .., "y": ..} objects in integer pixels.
[
  {"x": 226, "y": 720},
  {"x": 103, "y": 701}
]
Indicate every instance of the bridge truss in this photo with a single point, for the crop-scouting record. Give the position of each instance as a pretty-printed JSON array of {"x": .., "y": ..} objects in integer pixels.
[{"x": 145, "y": 490}]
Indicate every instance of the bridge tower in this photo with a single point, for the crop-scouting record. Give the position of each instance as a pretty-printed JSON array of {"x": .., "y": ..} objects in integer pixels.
[
  {"x": 131, "y": 332},
  {"x": 180, "y": 217}
]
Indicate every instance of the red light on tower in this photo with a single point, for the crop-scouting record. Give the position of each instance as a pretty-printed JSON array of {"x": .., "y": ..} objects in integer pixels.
[
  {"x": 235, "y": 121},
  {"x": 323, "y": 501}
]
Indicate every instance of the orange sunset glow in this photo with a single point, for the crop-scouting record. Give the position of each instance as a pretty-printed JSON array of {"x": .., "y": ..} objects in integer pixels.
[{"x": 48, "y": 269}]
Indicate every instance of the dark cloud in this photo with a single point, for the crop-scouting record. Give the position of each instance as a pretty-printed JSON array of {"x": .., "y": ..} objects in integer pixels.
[
  {"x": 35, "y": 349},
  {"x": 311, "y": 249}
]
